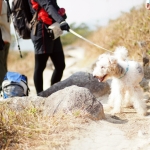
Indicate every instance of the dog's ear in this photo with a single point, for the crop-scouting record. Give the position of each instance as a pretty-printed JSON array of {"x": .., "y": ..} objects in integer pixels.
[{"x": 113, "y": 64}]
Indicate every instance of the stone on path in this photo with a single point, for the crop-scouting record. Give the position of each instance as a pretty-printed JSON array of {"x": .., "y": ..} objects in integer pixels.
[
  {"x": 81, "y": 79},
  {"x": 74, "y": 98}
]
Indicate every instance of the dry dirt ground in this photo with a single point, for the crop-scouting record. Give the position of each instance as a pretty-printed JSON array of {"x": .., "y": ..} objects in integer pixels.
[{"x": 125, "y": 131}]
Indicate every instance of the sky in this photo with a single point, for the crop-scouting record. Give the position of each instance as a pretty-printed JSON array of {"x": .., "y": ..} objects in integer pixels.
[
  {"x": 91, "y": 12},
  {"x": 96, "y": 11}
]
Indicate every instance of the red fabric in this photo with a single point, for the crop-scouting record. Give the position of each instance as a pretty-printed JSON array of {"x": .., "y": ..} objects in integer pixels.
[
  {"x": 61, "y": 11},
  {"x": 35, "y": 5},
  {"x": 43, "y": 15}
]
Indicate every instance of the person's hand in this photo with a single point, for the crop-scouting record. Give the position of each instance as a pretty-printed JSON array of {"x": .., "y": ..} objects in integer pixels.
[
  {"x": 147, "y": 6},
  {"x": 64, "y": 26}
]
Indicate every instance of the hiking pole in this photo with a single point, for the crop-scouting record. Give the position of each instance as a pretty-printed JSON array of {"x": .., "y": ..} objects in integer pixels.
[
  {"x": 81, "y": 37},
  {"x": 10, "y": 15},
  {"x": 17, "y": 39}
]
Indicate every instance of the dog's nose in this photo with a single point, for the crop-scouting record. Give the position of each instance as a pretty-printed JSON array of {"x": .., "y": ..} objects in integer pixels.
[{"x": 94, "y": 76}]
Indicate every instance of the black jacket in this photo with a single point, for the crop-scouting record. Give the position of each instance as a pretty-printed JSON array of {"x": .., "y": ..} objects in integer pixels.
[{"x": 42, "y": 42}]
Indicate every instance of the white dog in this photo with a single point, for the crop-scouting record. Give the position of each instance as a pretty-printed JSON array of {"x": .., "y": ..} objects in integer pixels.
[{"x": 125, "y": 75}]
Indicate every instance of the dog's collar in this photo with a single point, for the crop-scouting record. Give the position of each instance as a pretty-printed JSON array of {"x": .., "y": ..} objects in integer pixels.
[{"x": 125, "y": 72}]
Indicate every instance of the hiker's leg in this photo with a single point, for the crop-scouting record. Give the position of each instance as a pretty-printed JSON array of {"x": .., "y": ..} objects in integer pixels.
[
  {"x": 58, "y": 60},
  {"x": 59, "y": 64},
  {"x": 40, "y": 64},
  {"x": 7, "y": 45},
  {"x": 2, "y": 66}
]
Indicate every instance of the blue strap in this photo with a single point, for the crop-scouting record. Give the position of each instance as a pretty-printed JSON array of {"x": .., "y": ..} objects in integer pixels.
[{"x": 125, "y": 72}]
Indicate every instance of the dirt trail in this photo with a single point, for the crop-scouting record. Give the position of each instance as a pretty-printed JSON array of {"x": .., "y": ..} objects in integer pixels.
[{"x": 127, "y": 131}]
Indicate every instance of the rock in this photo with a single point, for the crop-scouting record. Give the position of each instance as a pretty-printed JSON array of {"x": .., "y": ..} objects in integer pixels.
[
  {"x": 145, "y": 84},
  {"x": 81, "y": 79},
  {"x": 65, "y": 100},
  {"x": 72, "y": 98},
  {"x": 22, "y": 103},
  {"x": 147, "y": 72}
]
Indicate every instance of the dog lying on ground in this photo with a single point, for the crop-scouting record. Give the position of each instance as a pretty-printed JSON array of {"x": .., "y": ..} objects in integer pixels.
[{"x": 125, "y": 75}]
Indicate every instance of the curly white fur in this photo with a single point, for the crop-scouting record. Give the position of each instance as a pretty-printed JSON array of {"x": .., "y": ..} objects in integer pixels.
[{"x": 125, "y": 75}]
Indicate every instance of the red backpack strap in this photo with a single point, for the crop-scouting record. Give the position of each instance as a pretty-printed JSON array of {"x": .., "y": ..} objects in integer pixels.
[
  {"x": 35, "y": 5},
  {"x": 42, "y": 14}
]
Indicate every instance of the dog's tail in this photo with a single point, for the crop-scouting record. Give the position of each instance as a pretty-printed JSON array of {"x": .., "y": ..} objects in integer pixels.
[{"x": 121, "y": 53}]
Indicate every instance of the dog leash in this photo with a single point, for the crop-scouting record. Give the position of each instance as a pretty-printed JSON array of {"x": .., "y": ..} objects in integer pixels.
[{"x": 81, "y": 37}]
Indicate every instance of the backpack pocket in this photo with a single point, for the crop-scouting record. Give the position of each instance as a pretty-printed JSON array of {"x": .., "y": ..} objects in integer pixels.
[{"x": 13, "y": 90}]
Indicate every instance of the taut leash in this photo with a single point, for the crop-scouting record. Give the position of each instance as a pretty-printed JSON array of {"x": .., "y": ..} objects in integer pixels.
[{"x": 81, "y": 37}]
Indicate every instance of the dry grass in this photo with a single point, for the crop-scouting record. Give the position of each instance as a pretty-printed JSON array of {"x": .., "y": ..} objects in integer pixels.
[
  {"x": 23, "y": 65},
  {"x": 29, "y": 130},
  {"x": 127, "y": 30}
]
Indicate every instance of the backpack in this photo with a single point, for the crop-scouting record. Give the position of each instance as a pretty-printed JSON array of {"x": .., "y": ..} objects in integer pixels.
[
  {"x": 14, "y": 85},
  {"x": 21, "y": 17}
]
